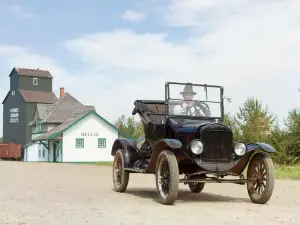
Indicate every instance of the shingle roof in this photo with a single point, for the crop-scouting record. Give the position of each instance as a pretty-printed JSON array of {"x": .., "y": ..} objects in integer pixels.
[
  {"x": 91, "y": 107},
  {"x": 38, "y": 96},
  {"x": 33, "y": 72},
  {"x": 43, "y": 110},
  {"x": 74, "y": 118},
  {"x": 62, "y": 109},
  {"x": 76, "y": 115}
]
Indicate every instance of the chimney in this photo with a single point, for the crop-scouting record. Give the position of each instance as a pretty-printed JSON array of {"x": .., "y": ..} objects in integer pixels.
[{"x": 61, "y": 92}]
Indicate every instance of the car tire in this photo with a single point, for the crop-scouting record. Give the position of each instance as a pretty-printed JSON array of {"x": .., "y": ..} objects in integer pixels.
[
  {"x": 120, "y": 176},
  {"x": 167, "y": 187},
  {"x": 261, "y": 169},
  {"x": 196, "y": 187}
]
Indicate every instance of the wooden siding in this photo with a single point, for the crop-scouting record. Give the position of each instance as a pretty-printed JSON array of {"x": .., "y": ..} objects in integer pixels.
[
  {"x": 26, "y": 83},
  {"x": 14, "y": 81},
  {"x": 46, "y": 127},
  {"x": 17, "y": 130},
  {"x": 14, "y": 130},
  {"x": 90, "y": 128}
]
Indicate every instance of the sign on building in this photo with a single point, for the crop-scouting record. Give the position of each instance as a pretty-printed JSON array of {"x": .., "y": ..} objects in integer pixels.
[
  {"x": 14, "y": 115},
  {"x": 89, "y": 134}
]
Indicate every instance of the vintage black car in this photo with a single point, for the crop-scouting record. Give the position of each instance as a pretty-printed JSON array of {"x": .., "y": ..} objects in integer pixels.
[{"x": 185, "y": 135}]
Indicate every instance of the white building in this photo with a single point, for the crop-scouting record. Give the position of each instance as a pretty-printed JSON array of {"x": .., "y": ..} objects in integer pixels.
[{"x": 67, "y": 131}]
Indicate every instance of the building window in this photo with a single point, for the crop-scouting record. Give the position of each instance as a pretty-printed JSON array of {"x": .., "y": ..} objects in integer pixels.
[
  {"x": 35, "y": 81},
  {"x": 38, "y": 126},
  {"x": 40, "y": 150},
  {"x": 79, "y": 143},
  {"x": 101, "y": 143}
]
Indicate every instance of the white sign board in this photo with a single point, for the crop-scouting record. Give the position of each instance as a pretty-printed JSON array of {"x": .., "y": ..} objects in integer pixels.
[{"x": 14, "y": 115}]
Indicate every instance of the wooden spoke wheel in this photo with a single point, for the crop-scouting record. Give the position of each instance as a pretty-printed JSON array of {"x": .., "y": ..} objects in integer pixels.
[
  {"x": 120, "y": 176},
  {"x": 167, "y": 177},
  {"x": 262, "y": 176}
]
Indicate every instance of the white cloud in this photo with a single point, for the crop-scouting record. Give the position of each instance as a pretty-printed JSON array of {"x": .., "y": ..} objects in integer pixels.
[
  {"x": 255, "y": 45},
  {"x": 15, "y": 56},
  {"x": 18, "y": 11},
  {"x": 89, "y": 86},
  {"x": 196, "y": 13},
  {"x": 133, "y": 16},
  {"x": 128, "y": 50},
  {"x": 254, "y": 51},
  {"x": 250, "y": 50}
]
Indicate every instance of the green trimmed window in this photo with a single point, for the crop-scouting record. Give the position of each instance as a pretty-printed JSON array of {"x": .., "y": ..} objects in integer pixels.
[
  {"x": 101, "y": 142},
  {"x": 79, "y": 143},
  {"x": 38, "y": 126}
]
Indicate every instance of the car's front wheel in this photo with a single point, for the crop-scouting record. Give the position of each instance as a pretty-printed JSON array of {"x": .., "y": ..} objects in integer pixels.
[
  {"x": 120, "y": 176},
  {"x": 167, "y": 177},
  {"x": 261, "y": 172}
]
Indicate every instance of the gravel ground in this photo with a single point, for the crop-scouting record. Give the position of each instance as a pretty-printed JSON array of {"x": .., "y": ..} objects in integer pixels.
[{"x": 45, "y": 193}]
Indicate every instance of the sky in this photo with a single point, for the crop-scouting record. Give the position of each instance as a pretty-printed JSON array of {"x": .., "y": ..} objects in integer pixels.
[{"x": 110, "y": 53}]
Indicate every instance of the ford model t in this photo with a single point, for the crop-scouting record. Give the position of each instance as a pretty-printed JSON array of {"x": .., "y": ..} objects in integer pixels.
[{"x": 185, "y": 135}]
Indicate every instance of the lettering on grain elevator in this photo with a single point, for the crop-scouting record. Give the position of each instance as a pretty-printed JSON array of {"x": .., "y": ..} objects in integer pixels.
[{"x": 14, "y": 115}]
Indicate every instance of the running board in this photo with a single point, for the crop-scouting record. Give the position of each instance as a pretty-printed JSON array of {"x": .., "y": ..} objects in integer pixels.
[{"x": 236, "y": 181}]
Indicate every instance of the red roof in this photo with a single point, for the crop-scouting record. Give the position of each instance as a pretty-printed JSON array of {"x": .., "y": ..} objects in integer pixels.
[
  {"x": 38, "y": 96},
  {"x": 33, "y": 72}
]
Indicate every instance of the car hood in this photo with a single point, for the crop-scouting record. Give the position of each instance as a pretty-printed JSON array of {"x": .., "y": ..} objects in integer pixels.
[{"x": 190, "y": 128}]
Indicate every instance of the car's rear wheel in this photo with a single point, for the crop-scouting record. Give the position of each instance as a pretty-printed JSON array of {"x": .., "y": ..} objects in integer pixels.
[
  {"x": 262, "y": 176},
  {"x": 120, "y": 176},
  {"x": 196, "y": 187},
  {"x": 167, "y": 177}
]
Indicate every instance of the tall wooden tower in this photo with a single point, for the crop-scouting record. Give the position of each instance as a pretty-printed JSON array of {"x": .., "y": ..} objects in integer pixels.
[{"x": 27, "y": 88}]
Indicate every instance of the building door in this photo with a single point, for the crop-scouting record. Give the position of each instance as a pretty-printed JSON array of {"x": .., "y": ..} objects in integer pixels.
[{"x": 57, "y": 153}]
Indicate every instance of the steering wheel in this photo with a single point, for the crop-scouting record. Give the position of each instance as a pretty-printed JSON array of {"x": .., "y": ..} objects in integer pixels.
[{"x": 202, "y": 107}]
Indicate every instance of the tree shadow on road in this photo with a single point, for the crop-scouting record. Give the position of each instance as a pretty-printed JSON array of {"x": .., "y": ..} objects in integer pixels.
[{"x": 185, "y": 196}]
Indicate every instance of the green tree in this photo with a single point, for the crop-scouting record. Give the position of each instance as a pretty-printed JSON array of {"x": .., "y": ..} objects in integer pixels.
[
  {"x": 130, "y": 127},
  {"x": 1, "y": 140},
  {"x": 232, "y": 123},
  {"x": 278, "y": 139},
  {"x": 254, "y": 121},
  {"x": 293, "y": 135}
]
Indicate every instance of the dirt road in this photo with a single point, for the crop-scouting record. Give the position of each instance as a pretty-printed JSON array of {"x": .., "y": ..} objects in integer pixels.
[{"x": 42, "y": 193}]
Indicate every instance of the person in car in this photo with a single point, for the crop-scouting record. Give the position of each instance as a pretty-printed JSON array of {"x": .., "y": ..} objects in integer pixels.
[{"x": 189, "y": 106}]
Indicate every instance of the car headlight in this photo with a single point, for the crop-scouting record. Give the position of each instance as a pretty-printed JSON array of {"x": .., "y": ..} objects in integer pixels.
[
  {"x": 240, "y": 149},
  {"x": 196, "y": 147}
]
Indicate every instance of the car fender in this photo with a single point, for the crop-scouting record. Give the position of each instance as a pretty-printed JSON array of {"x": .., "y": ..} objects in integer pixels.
[
  {"x": 260, "y": 146},
  {"x": 173, "y": 145},
  {"x": 129, "y": 149},
  {"x": 169, "y": 142},
  {"x": 243, "y": 161}
]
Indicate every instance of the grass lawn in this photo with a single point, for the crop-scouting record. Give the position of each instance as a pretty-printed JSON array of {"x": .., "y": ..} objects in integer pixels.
[
  {"x": 288, "y": 172},
  {"x": 282, "y": 172}
]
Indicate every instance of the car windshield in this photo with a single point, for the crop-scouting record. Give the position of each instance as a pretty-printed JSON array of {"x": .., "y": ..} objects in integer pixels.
[{"x": 194, "y": 100}]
